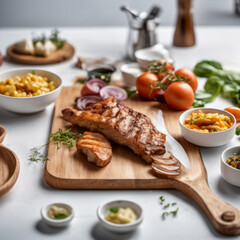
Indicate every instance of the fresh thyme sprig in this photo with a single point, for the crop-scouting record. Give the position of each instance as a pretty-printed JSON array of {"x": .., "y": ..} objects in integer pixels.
[
  {"x": 66, "y": 138},
  {"x": 36, "y": 155}
]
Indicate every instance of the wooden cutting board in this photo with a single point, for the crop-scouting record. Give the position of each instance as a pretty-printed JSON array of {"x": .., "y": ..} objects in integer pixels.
[
  {"x": 63, "y": 54},
  {"x": 67, "y": 169}
]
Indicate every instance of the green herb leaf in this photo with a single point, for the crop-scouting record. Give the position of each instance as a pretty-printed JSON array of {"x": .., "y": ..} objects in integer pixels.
[
  {"x": 81, "y": 81},
  {"x": 130, "y": 91},
  {"x": 106, "y": 77},
  {"x": 33, "y": 72},
  {"x": 237, "y": 132},
  {"x": 207, "y": 68},
  {"x": 114, "y": 210},
  {"x": 174, "y": 213},
  {"x": 54, "y": 38},
  {"x": 166, "y": 206},
  {"x": 60, "y": 216},
  {"x": 162, "y": 198},
  {"x": 164, "y": 215}
]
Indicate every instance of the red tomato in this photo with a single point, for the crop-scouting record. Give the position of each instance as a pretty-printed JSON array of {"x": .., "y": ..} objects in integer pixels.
[
  {"x": 179, "y": 95},
  {"x": 86, "y": 91},
  {"x": 235, "y": 111},
  {"x": 143, "y": 85},
  {"x": 169, "y": 67},
  {"x": 189, "y": 76}
]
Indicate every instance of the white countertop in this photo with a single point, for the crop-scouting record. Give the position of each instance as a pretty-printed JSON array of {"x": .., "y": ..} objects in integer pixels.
[{"x": 20, "y": 208}]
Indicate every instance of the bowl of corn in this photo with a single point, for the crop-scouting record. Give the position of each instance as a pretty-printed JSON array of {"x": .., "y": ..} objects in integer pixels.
[{"x": 28, "y": 90}]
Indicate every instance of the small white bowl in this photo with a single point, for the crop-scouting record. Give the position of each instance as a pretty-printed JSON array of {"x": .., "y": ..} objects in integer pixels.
[
  {"x": 119, "y": 228},
  {"x": 57, "y": 222},
  {"x": 156, "y": 53},
  {"x": 130, "y": 73},
  {"x": 34, "y": 104},
  {"x": 230, "y": 174},
  {"x": 214, "y": 139}
]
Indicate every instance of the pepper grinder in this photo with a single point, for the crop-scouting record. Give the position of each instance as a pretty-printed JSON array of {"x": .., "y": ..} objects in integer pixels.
[{"x": 184, "y": 35}]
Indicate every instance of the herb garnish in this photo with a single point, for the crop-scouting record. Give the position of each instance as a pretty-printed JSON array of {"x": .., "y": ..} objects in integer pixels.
[
  {"x": 237, "y": 132},
  {"x": 36, "y": 155},
  {"x": 54, "y": 38},
  {"x": 33, "y": 72},
  {"x": 60, "y": 216},
  {"x": 81, "y": 80},
  {"x": 67, "y": 138},
  {"x": 130, "y": 91},
  {"x": 114, "y": 210},
  {"x": 168, "y": 205},
  {"x": 106, "y": 77}
]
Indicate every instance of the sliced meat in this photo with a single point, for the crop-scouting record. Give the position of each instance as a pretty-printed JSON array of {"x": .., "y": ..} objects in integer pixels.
[
  {"x": 96, "y": 147},
  {"x": 122, "y": 125},
  {"x": 166, "y": 170}
]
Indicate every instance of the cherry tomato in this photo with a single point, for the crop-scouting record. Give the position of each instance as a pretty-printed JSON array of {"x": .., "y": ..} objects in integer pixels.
[
  {"x": 143, "y": 85},
  {"x": 86, "y": 91},
  {"x": 235, "y": 111},
  {"x": 169, "y": 67},
  {"x": 179, "y": 95},
  {"x": 189, "y": 76}
]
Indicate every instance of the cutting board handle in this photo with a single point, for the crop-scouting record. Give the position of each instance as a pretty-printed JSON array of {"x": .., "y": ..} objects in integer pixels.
[{"x": 224, "y": 217}]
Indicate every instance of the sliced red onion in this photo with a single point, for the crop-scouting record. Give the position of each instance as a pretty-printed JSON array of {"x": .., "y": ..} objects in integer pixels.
[
  {"x": 160, "y": 96},
  {"x": 95, "y": 84},
  {"x": 85, "y": 101},
  {"x": 117, "y": 92}
]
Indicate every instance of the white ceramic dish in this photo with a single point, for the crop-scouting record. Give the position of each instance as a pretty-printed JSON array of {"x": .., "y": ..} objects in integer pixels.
[
  {"x": 207, "y": 139},
  {"x": 57, "y": 222},
  {"x": 156, "y": 53},
  {"x": 27, "y": 105},
  {"x": 130, "y": 73},
  {"x": 230, "y": 174},
  {"x": 119, "y": 228}
]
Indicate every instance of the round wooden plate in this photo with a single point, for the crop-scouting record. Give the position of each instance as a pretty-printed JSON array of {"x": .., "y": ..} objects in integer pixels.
[
  {"x": 9, "y": 166},
  {"x": 63, "y": 54}
]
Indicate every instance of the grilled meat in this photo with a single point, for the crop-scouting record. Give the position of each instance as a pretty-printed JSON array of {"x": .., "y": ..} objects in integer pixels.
[
  {"x": 122, "y": 125},
  {"x": 97, "y": 148}
]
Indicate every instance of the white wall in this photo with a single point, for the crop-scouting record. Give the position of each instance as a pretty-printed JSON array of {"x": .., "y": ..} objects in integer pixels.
[{"x": 55, "y": 13}]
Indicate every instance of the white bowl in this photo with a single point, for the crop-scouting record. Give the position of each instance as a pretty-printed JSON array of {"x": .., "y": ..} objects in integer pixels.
[
  {"x": 230, "y": 174},
  {"x": 207, "y": 139},
  {"x": 156, "y": 53},
  {"x": 130, "y": 73},
  {"x": 29, "y": 104},
  {"x": 119, "y": 228},
  {"x": 57, "y": 222}
]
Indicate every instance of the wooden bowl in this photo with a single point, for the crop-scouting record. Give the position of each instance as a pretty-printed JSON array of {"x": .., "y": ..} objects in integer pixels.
[
  {"x": 9, "y": 166},
  {"x": 63, "y": 54}
]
